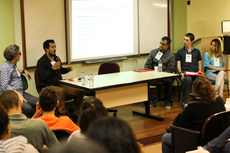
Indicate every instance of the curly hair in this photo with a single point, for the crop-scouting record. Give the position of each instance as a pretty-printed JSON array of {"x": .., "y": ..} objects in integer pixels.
[
  {"x": 11, "y": 52},
  {"x": 204, "y": 90}
]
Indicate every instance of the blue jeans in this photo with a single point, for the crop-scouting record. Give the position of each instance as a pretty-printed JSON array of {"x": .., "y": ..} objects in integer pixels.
[
  {"x": 166, "y": 143},
  {"x": 27, "y": 107},
  {"x": 188, "y": 80}
]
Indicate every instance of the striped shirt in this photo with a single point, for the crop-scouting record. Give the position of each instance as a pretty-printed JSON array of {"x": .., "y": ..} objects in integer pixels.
[{"x": 189, "y": 66}]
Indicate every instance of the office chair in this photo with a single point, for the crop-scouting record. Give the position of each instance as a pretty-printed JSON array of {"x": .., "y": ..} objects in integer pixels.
[
  {"x": 24, "y": 82},
  {"x": 109, "y": 67},
  {"x": 62, "y": 135},
  {"x": 185, "y": 140}
]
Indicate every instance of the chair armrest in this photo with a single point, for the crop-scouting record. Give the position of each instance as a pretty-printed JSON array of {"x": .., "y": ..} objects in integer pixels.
[{"x": 184, "y": 139}]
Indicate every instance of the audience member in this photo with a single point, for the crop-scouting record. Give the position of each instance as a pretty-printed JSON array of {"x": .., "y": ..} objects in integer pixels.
[
  {"x": 48, "y": 103},
  {"x": 197, "y": 111},
  {"x": 115, "y": 134},
  {"x": 214, "y": 65},
  {"x": 168, "y": 62},
  {"x": 188, "y": 59},
  {"x": 79, "y": 146},
  {"x": 50, "y": 72},
  {"x": 35, "y": 130},
  {"x": 11, "y": 78},
  {"x": 219, "y": 144},
  {"x": 92, "y": 109},
  {"x": 17, "y": 144}
]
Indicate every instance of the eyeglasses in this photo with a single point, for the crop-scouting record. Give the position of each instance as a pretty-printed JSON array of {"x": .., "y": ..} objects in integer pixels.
[
  {"x": 163, "y": 44},
  {"x": 20, "y": 53}
]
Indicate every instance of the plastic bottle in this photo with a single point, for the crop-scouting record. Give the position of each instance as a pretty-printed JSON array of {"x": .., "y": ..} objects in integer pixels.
[
  {"x": 82, "y": 78},
  {"x": 160, "y": 66},
  {"x": 91, "y": 80}
]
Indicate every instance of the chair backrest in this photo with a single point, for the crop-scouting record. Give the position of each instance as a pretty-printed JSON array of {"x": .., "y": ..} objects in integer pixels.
[
  {"x": 108, "y": 67},
  {"x": 24, "y": 82},
  {"x": 62, "y": 135},
  {"x": 214, "y": 126},
  {"x": 37, "y": 80}
]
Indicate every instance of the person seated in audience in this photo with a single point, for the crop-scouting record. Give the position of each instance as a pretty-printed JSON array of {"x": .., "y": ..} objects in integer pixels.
[
  {"x": 214, "y": 65},
  {"x": 47, "y": 104},
  {"x": 35, "y": 130},
  {"x": 168, "y": 62},
  {"x": 115, "y": 134},
  {"x": 79, "y": 146},
  {"x": 16, "y": 144},
  {"x": 197, "y": 111},
  {"x": 219, "y": 144},
  {"x": 11, "y": 78},
  {"x": 92, "y": 109}
]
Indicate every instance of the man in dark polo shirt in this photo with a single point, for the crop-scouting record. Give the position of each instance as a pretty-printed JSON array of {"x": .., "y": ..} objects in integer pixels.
[
  {"x": 168, "y": 62},
  {"x": 188, "y": 59}
]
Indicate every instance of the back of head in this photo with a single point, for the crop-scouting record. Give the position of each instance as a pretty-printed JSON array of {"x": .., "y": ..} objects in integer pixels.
[
  {"x": 190, "y": 35},
  {"x": 115, "y": 134},
  {"x": 11, "y": 52},
  {"x": 47, "y": 99},
  {"x": 9, "y": 100},
  {"x": 204, "y": 90},
  {"x": 79, "y": 146},
  {"x": 92, "y": 109},
  {"x": 4, "y": 121},
  {"x": 167, "y": 39},
  {"x": 46, "y": 43}
]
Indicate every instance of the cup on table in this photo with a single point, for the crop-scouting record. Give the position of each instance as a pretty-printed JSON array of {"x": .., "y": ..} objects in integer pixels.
[{"x": 156, "y": 68}]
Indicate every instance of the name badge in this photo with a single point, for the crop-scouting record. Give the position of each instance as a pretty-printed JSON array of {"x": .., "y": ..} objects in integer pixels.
[
  {"x": 216, "y": 62},
  {"x": 188, "y": 58},
  {"x": 158, "y": 56}
]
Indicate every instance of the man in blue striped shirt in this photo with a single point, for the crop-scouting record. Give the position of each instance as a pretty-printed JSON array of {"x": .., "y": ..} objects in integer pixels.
[{"x": 188, "y": 59}]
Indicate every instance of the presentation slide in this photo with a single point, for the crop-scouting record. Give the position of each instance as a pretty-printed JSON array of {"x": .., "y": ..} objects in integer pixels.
[{"x": 103, "y": 29}]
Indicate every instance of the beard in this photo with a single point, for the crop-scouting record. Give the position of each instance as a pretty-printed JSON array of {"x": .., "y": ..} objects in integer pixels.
[{"x": 52, "y": 54}]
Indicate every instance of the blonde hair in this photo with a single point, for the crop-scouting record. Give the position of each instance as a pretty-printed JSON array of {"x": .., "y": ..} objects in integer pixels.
[{"x": 218, "y": 51}]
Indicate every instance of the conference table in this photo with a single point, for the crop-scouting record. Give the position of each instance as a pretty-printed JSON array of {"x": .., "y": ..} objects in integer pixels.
[{"x": 123, "y": 88}]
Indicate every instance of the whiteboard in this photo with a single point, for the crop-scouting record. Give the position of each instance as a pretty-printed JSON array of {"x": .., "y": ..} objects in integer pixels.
[{"x": 45, "y": 19}]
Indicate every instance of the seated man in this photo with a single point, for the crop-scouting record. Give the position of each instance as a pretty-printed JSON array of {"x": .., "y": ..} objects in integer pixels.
[
  {"x": 48, "y": 103},
  {"x": 15, "y": 144},
  {"x": 50, "y": 71},
  {"x": 11, "y": 78},
  {"x": 168, "y": 62},
  {"x": 35, "y": 130}
]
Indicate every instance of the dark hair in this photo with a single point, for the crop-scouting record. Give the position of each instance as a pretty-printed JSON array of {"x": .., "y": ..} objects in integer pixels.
[
  {"x": 47, "y": 99},
  {"x": 11, "y": 52},
  {"x": 9, "y": 99},
  {"x": 190, "y": 35},
  {"x": 4, "y": 121},
  {"x": 167, "y": 39},
  {"x": 46, "y": 44},
  {"x": 92, "y": 109},
  {"x": 115, "y": 134},
  {"x": 79, "y": 146},
  {"x": 203, "y": 89}
]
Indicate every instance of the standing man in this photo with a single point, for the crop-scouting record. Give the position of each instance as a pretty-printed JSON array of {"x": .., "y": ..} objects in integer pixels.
[
  {"x": 168, "y": 60},
  {"x": 10, "y": 78},
  {"x": 188, "y": 59},
  {"x": 50, "y": 69}
]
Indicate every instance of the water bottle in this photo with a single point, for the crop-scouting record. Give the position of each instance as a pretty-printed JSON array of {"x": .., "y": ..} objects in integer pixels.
[
  {"x": 160, "y": 66},
  {"x": 91, "y": 80},
  {"x": 82, "y": 78}
]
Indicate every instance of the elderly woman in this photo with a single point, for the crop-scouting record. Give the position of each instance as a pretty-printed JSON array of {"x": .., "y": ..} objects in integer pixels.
[
  {"x": 197, "y": 111},
  {"x": 10, "y": 78}
]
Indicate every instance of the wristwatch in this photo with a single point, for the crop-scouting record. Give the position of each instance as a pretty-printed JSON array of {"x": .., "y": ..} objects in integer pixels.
[{"x": 23, "y": 71}]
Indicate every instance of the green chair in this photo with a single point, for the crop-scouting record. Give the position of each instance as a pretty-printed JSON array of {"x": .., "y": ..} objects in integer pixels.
[
  {"x": 24, "y": 82},
  {"x": 226, "y": 81}
]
